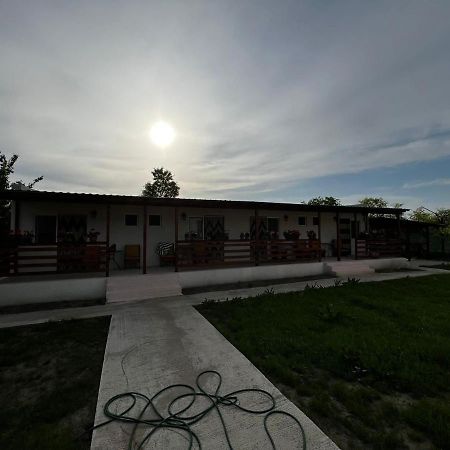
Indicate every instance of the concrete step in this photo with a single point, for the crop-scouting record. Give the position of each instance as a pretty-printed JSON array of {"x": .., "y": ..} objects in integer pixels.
[
  {"x": 142, "y": 287},
  {"x": 350, "y": 268}
]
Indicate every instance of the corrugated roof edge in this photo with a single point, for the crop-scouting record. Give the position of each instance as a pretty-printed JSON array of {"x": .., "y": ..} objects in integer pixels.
[{"x": 207, "y": 203}]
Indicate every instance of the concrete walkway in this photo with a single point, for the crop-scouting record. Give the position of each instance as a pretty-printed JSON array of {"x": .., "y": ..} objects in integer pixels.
[{"x": 170, "y": 343}]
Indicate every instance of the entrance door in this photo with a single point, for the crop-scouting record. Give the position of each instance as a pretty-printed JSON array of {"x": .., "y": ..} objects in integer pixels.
[
  {"x": 345, "y": 228},
  {"x": 45, "y": 229},
  {"x": 214, "y": 228},
  {"x": 262, "y": 228},
  {"x": 72, "y": 228}
]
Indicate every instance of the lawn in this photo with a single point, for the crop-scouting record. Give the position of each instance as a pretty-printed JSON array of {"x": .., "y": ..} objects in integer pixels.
[
  {"x": 368, "y": 362},
  {"x": 49, "y": 378}
]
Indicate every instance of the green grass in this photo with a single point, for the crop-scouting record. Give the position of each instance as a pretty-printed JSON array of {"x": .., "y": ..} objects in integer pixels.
[
  {"x": 369, "y": 362},
  {"x": 49, "y": 378}
]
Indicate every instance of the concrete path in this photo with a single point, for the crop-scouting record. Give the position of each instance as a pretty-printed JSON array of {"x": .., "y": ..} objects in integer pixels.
[{"x": 170, "y": 343}]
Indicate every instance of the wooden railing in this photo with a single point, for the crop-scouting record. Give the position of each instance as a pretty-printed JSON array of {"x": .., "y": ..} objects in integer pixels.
[
  {"x": 241, "y": 252},
  {"x": 53, "y": 258},
  {"x": 378, "y": 248}
]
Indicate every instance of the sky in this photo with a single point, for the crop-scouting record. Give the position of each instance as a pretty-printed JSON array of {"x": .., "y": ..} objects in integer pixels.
[{"x": 271, "y": 100}]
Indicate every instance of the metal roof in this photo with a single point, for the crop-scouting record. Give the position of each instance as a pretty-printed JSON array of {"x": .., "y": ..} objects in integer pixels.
[{"x": 113, "y": 199}]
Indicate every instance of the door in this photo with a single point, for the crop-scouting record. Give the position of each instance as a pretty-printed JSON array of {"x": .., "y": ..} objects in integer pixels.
[
  {"x": 72, "y": 228},
  {"x": 45, "y": 227},
  {"x": 345, "y": 229},
  {"x": 262, "y": 228},
  {"x": 214, "y": 228}
]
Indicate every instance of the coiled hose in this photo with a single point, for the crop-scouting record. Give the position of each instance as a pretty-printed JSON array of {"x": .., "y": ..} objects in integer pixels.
[{"x": 180, "y": 419}]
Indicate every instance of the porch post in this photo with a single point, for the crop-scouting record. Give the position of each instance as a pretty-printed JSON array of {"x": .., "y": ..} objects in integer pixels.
[
  {"x": 338, "y": 237},
  {"x": 176, "y": 237},
  {"x": 108, "y": 220},
  {"x": 355, "y": 237},
  {"x": 408, "y": 244},
  {"x": 428, "y": 240},
  {"x": 144, "y": 241},
  {"x": 256, "y": 238},
  {"x": 16, "y": 216},
  {"x": 398, "y": 224},
  {"x": 319, "y": 233},
  {"x": 16, "y": 227}
]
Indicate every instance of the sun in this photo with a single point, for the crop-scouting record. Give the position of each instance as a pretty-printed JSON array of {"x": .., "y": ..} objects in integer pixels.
[{"x": 162, "y": 134}]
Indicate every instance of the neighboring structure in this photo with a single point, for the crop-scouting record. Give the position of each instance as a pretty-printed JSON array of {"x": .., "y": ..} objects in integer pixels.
[{"x": 74, "y": 232}]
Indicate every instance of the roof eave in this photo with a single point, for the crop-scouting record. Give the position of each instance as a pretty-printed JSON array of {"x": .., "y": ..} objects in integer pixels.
[{"x": 183, "y": 202}]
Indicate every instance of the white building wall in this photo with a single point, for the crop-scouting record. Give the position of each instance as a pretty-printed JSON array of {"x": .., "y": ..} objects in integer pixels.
[
  {"x": 96, "y": 214},
  {"x": 236, "y": 221}
]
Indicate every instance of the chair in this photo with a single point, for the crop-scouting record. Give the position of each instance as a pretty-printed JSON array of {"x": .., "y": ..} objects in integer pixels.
[
  {"x": 132, "y": 256},
  {"x": 166, "y": 253},
  {"x": 112, "y": 252}
]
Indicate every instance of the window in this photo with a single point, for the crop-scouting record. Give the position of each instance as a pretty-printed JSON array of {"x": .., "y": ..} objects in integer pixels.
[
  {"x": 154, "y": 220},
  {"x": 131, "y": 220},
  {"x": 273, "y": 224},
  {"x": 302, "y": 220},
  {"x": 316, "y": 221},
  {"x": 195, "y": 227},
  {"x": 45, "y": 229}
]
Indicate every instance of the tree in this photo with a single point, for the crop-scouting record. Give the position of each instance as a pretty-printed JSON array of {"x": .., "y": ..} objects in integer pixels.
[
  {"x": 373, "y": 202},
  {"x": 163, "y": 185},
  {"x": 441, "y": 216},
  {"x": 324, "y": 201},
  {"x": 7, "y": 169}
]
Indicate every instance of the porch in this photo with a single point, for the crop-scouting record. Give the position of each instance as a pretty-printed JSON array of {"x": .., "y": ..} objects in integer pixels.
[
  {"x": 200, "y": 234},
  {"x": 98, "y": 258}
]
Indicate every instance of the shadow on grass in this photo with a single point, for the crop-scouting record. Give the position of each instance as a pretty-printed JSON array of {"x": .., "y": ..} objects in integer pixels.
[{"x": 49, "y": 381}]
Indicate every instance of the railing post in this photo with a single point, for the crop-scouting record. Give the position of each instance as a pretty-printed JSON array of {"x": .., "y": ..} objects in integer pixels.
[
  {"x": 144, "y": 241},
  {"x": 355, "y": 237},
  {"x": 319, "y": 233},
  {"x": 338, "y": 236},
  {"x": 16, "y": 259},
  {"x": 408, "y": 245},
  {"x": 256, "y": 252},
  {"x": 108, "y": 223},
  {"x": 176, "y": 238},
  {"x": 428, "y": 240}
]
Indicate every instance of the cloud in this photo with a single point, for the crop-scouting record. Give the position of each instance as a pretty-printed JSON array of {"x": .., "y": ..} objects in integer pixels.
[
  {"x": 262, "y": 95},
  {"x": 430, "y": 183}
]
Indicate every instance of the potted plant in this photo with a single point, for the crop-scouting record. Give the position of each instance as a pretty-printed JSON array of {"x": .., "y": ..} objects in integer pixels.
[
  {"x": 311, "y": 235},
  {"x": 19, "y": 237},
  {"x": 93, "y": 235},
  {"x": 291, "y": 235}
]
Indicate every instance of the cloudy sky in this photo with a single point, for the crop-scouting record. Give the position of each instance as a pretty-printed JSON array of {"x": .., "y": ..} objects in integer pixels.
[{"x": 271, "y": 100}]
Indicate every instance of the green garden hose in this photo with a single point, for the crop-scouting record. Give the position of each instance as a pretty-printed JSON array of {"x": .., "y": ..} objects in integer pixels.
[{"x": 181, "y": 420}]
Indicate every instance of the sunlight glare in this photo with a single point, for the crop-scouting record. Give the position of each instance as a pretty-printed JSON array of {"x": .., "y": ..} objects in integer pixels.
[{"x": 162, "y": 134}]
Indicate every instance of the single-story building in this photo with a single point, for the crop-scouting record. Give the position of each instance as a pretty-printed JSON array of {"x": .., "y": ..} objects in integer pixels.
[{"x": 78, "y": 232}]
